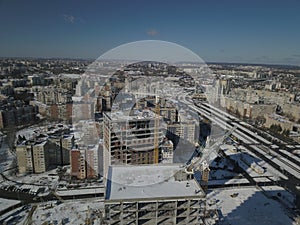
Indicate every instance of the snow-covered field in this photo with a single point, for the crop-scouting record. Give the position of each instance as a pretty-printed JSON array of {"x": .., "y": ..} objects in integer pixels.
[
  {"x": 248, "y": 206},
  {"x": 70, "y": 212}
]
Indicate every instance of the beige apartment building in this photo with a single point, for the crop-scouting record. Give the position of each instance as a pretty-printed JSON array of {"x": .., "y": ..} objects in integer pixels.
[{"x": 32, "y": 157}]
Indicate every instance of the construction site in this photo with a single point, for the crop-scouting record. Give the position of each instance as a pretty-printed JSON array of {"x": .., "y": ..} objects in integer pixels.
[
  {"x": 154, "y": 194},
  {"x": 130, "y": 139}
]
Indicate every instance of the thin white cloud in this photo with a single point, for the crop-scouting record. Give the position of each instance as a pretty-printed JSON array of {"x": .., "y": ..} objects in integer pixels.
[
  {"x": 69, "y": 18},
  {"x": 152, "y": 32}
]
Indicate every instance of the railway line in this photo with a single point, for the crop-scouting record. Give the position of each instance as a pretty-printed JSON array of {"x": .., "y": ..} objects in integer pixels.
[
  {"x": 290, "y": 158},
  {"x": 282, "y": 160}
]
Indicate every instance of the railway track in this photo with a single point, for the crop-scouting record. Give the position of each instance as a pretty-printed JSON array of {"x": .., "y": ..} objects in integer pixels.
[{"x": 256, "y": 143}]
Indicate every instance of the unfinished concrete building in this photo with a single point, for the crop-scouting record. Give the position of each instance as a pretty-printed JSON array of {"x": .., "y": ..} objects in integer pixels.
[
  {"x": 129, "y": 139},
  {"x": 153, "y": 194}
]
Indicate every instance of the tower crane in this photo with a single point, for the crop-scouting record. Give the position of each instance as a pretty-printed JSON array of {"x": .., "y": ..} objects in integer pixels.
[
  {"x": 156, "y": 130},
  {"x": 201, "y": 163},
  {"x": 209, "y": 153}
]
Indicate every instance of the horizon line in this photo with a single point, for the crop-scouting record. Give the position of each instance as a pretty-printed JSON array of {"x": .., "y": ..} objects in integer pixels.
[{"x": 92, "y": 59}]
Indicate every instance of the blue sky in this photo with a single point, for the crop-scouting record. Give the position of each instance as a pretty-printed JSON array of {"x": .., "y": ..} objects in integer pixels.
[{"x": 217, "y": 30}]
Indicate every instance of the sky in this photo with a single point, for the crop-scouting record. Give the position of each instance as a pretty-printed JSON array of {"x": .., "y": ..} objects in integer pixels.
[{"x": 218, "y": 31}]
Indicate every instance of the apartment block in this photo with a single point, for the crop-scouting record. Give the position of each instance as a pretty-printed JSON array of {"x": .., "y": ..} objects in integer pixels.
[
  {"x": 33, "y": 157},
  {"x": 78, "y": 168},
  {"x": 24, "y": 158},
  {"x": 85, "y": 162}
]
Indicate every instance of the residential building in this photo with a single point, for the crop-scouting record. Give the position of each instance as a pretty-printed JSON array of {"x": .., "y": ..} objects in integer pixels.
[
  {"x": 24, "y": 158},
  {"x": 17, "y": 113},
  {"x": 78, "y": 168},
  {"x": 130, "y": 139},
  {"x": 40, "y": 159},
  {"x": 84, "y": 162},
  {"x": 33, "y": 157}
]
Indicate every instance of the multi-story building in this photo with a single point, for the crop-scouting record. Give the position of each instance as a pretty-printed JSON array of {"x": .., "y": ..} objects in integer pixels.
[
  {"x": 58, "y": 102},
  {"x": 153, "y": 194},
  {"x": 52, "y": 95},
  {"x": 185, "y": 131},
  {"x": 40, "y": 159},
  {"x": 78, "y": 168},
  {"x": 90, "y": 132},
  {"x": 33, "y": 157},
  {"x": 24, "y": 158},
  {"x": 16, "y": 113},
  {"x": 82, "y": 109},
  {"x": 92, "y": 161},
  {"x": 60, "y": 150},
  {"x": 282, "y": 122},
  {"x": 167, "y": 150},
  {"x": 167, "y": 109},
  {"x": 130, "y": 139},
  {"x": 84, "y": 162},
  {"x": 268, "y": 97},
  {"x": 62, "y": 111},
  {"x": 247, "y": 110},
  {"x": 44, "y": 148},
  {"x": 253, "y": 103},
  {"x": 39, "y": 80}
]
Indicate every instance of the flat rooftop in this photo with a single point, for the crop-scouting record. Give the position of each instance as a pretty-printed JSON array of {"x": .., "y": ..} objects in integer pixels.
[
  {"x": 149, "y": 182},
  {"x": 138, "y": 115}
]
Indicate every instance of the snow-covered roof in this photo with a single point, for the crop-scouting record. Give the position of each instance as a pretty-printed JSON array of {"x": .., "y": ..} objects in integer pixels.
[{"x": 148, "y": 181}]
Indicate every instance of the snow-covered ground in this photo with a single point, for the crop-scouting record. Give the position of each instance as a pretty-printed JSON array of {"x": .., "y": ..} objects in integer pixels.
[
  {"x": 246, "y": 157},
  {"x": 281, "y": 194},
  {"x": 6, "y": 203},
  {"x": 71, "y": 212},
  {"x": 33, "y": 183},
  {"x": 47, "y": 178},
  {"x": 248, "y": 206},
  {"x": 229, "y": 181},
  {"x": 222, "y": 174}
]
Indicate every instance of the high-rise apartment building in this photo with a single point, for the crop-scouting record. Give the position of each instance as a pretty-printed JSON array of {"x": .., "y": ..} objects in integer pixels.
[
  {"x": 61, "y": 146},
  {"x": 92, "y": 161},
  {"x": 40, "y": 159},
  {"x": 129, "y": 139},
  {"x": 185, "y": 131},
  {"x": 84, "y": 162},
  {"x": 24, "y": 158},
  {"x": 78, "y": 168},
  {"x": 33, "y": 157}
]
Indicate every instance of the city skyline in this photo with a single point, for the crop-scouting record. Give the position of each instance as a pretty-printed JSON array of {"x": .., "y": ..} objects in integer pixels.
[{"x": 234, "y": 32}]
